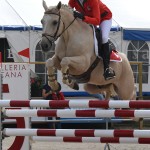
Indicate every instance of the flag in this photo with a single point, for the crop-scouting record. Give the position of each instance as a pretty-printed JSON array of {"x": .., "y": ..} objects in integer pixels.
[{"x": 25, "y": 53}]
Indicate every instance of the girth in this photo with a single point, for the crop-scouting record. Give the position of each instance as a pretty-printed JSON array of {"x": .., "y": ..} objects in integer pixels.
[{"x": 85, "y": 77}]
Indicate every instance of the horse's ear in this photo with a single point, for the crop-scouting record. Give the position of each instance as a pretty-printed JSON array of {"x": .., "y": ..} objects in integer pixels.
[
  {"x": 58, "y": 5},
  {"x": 45, "y": 6}
]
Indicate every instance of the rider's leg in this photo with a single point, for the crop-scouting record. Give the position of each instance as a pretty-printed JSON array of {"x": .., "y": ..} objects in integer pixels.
[
  {"x": 108, "y": 71},
  {"x": 105, "y": 29}
]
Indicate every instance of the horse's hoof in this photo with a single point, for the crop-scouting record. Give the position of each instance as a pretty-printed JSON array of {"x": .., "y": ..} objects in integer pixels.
[{"x": 76, "y": 86}]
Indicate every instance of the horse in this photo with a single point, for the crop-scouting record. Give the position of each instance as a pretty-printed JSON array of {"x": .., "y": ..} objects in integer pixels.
[{"x": 75, "y": 56}]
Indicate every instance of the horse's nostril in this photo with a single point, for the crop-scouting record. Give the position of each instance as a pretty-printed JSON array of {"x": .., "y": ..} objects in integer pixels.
[{"x": 46, "y": 46}]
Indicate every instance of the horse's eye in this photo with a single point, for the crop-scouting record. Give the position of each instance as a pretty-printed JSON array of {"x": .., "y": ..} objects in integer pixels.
[{"x": 54, "y": 22}]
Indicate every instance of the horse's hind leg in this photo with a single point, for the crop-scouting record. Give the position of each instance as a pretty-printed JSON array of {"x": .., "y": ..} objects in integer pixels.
[
  {"x": 107, "y": 90},
  {"x": 126, "y": 91},
  {"x": 134, "y": 94}
]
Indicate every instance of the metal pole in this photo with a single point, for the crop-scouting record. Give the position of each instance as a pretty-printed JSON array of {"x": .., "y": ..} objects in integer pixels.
[
  {"x": 140, "y": 80},
  {"x": 140, "y": 64},
  {"x": 1, "y": 138}
]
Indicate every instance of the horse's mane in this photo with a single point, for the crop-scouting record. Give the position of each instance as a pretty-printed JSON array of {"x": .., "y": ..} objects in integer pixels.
[
  {"x": 67, "y": 8},
  {"x": 52, "y": 9}
]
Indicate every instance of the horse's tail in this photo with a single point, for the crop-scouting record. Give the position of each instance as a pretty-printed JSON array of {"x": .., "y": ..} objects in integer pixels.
[{"x": 134, "y": 93}]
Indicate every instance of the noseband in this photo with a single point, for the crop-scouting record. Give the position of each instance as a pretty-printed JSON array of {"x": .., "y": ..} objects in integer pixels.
[{"x": 55, "y": 36}]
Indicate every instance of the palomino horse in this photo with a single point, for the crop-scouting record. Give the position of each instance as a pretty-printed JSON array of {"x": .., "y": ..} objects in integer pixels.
[{"x": 74, "y": 55}]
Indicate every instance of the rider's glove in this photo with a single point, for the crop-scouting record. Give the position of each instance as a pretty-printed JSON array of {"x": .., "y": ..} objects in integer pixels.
[{"x": 79, "y": 15}]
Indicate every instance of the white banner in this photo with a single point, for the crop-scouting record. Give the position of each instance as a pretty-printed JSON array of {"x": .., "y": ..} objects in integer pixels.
[
  {"x": 19, "y": 43},
  {"x": 16, "y": 81}
]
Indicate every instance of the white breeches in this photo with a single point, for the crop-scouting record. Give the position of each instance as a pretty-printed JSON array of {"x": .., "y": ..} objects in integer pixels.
[{"x": 105, "y": 27}]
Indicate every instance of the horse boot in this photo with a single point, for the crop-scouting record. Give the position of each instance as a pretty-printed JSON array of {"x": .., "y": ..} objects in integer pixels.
[{"x": 108, "y": 71}]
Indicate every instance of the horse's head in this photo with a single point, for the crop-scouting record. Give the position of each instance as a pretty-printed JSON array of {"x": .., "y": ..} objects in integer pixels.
[{"x": 52, "y": 25}]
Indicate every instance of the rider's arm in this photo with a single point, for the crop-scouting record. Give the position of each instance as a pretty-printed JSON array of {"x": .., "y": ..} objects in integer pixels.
[
  {"x": 95, "y": 19},
  {"x": 46, "y": 94},
  {"x": 71, "y": 3}
]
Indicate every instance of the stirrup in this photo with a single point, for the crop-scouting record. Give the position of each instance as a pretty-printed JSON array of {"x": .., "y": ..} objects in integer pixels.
[{"x": 109, "y": 74}]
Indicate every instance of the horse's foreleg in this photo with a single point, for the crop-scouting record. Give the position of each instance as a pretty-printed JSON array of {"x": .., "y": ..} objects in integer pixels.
[
  {"x": 66, "y": 80},
  {"x": 74, "y": 62},
  {"x": 50, "y": 64},
  {"x": 52, "y": 82}
]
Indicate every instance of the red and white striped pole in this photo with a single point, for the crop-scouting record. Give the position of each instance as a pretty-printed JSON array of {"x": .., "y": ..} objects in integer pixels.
[
  {"x": 93, "y": 140},
  {"x": 77, "y": 132},
  {"x": 76, "y": 104},
  {"x": 73, "y": 113}
]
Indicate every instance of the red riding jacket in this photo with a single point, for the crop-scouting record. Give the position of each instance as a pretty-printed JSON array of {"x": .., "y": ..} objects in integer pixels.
[{"x": 94, "y": 10}]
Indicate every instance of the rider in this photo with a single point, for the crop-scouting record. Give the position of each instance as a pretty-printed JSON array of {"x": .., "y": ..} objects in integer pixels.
[{"x": 96, "y": 13}]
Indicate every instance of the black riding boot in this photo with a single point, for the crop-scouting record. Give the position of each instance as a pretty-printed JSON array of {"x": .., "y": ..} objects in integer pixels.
[{"x": 108, "y": 71}]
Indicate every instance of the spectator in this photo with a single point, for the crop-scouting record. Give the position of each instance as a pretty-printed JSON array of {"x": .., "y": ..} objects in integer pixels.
[
  {"x": 36, "y": 87},
  {"x": 47, "y": 92},
  {"x": 47, "y": 95},
  {"x": 58, "y": 96}
]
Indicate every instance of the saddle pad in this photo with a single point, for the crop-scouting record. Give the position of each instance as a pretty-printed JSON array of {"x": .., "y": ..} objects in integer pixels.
[
  {"x": 114, "y": 54},
  {"x": 115, "y": 57}
]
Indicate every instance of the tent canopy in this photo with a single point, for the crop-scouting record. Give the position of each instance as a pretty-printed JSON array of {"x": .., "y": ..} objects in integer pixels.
[
  {"x": 22, "y": 12},
  {"x": 128, "y": 14}
]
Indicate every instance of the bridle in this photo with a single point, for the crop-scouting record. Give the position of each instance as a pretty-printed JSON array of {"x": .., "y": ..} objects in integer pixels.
[{"x": 56, "y": 36}]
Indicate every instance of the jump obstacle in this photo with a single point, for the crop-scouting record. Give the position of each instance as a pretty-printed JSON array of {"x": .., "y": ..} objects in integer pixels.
[
  {"x": 68, "y": 109},
  {"x": 58, "y": 135},
  {"x": 76, "y": 104},
  {"x": 77, "y": 133},
  {"x": 77, "y": 113}
]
